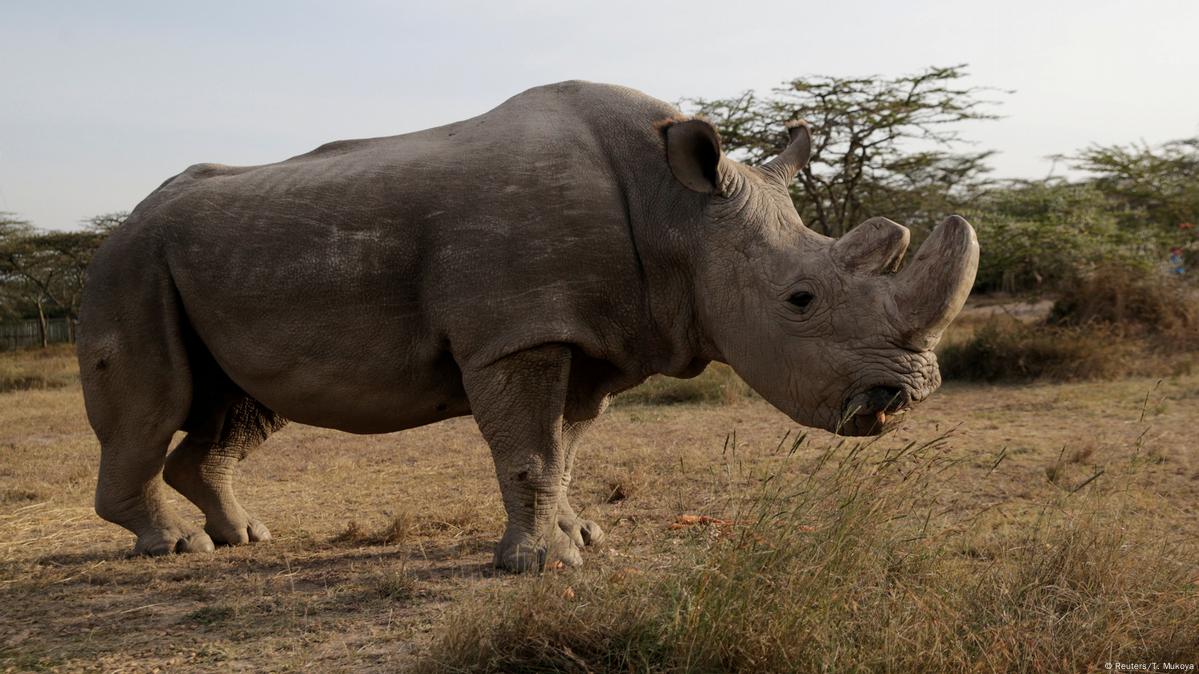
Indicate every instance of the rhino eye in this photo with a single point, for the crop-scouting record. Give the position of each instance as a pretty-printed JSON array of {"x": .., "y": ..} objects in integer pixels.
[{"x": 801, "y": 300}]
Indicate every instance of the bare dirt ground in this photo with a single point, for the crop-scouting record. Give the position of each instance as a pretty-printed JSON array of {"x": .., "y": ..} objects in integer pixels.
[{"x": 377, "y": 539}]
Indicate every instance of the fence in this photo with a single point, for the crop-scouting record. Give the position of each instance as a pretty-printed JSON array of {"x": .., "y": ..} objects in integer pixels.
[{"x": 19, "y": 334}]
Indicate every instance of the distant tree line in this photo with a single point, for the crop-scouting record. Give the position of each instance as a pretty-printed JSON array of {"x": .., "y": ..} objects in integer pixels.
[{"x": 42, "y": 272}]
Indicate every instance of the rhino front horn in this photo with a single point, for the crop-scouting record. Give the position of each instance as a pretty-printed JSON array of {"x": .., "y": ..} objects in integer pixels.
[
  {"x": 933, "y": 287},
  {"x": 795, "y": 156}
]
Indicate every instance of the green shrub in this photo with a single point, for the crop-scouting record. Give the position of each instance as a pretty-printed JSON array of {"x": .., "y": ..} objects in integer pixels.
[{"x": 1043, "y": 235}]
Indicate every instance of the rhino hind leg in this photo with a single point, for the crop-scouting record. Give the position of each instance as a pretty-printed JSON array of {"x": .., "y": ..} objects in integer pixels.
[
  {"x": 137, "y": 388},
  {"x": 580, "y": 531},
  {"x": 201, "y": 468},
  {"x": 130, "y": 492}
]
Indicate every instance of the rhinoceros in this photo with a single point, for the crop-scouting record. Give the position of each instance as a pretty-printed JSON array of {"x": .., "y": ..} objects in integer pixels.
[{"x": 522, "y": 266}]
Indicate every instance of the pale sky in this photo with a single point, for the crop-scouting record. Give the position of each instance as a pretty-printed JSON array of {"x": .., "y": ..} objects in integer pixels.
[{"x": 102, "y": 101}]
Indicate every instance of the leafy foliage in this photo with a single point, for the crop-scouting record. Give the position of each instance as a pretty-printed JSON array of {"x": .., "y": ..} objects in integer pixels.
[
  {"x": 881, "y": 146},
  {"x": 1040, "y": 235},
  {"x": 43, "y": 272},
  {"x": 891, "y": 147},
  {"x": 1145, "y": 185}
]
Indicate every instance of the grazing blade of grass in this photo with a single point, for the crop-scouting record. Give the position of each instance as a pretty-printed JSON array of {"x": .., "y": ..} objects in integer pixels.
[{"x": 854, "y": 567}]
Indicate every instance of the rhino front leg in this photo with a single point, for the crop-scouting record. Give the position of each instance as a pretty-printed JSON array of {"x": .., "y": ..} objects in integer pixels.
[
  {"x": 580, "y": 531},
  {"x": 518, "y": 403}
]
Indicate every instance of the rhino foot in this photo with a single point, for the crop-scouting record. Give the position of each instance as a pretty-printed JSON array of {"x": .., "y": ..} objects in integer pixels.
[
  {"x": 517, "y": 554},
  {"x": 241, "y": 531},
  {"x": 580, "y": 531},
  {"x": 160, "y": 542}
]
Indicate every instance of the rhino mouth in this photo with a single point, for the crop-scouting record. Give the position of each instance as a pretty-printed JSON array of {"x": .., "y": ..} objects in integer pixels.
[{"x": 873, "y": 410}]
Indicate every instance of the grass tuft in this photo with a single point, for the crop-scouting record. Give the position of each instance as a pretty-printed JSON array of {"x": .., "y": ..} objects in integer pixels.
[
  {"x": 210, "y": 615},
  {"x": 397, "y": 531},
  {"x": 852, "y": 565},
  {"x": 396, "y": 585}
]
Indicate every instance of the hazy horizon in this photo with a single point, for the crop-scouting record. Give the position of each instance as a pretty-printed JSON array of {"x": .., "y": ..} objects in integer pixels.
[{"x": 101, "y": 103}]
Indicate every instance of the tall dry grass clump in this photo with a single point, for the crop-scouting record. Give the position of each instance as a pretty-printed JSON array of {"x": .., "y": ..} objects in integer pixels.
[
  {"x": 1133, "y": 302},
  {"x": 850, "y": 564}
]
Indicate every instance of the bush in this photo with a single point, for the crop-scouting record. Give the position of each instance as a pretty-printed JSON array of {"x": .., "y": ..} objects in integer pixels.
[
  {"x": 1043, "y": 235},
  {"x": 1013, "y": 351},
  {"x": 1131, "y": 302},
  {"x": 1114, "y": 321}
]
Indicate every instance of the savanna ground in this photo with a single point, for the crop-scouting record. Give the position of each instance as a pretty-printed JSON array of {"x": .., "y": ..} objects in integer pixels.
[{"x": 1032, "y": 527}]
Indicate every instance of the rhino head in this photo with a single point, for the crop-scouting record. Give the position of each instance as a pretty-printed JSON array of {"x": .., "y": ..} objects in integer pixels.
[{"x": 838, "y": 334}]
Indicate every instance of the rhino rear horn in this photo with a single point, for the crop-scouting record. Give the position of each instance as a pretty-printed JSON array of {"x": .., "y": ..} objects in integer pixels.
[
  {"x": 795, "y": 156},
  {"x": 875, "y": 246},
  {"x": 932, "y": 289}
]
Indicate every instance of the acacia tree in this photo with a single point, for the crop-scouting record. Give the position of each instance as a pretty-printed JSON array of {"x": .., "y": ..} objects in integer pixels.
[
  {"x": 24, "y": 270},
  {"x": 1145, "y": 185},
  {"x": 68, "y": 255},
  {"x": 13, "y": 287},
  {"x": 47, "y": 268},
  {"x": 881, "y": 146},
  {"x": 105, "y": 223}
]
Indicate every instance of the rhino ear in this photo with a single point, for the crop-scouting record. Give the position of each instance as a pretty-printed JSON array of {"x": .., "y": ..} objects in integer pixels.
[{"x": 693, "y": 151}]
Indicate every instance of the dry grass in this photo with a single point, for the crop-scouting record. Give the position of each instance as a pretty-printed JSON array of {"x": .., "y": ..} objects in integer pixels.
[
  {"x": 991, "y": 565},
  {"x": 1005, "y": 350},
  {"x": 26, "y": 369},
  {"x": 716, "y": 385},
  {"x": 850, "y": 565}
]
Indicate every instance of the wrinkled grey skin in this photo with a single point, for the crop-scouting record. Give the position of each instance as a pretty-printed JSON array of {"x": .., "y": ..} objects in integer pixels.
[{"x": 521, "y": 266}]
